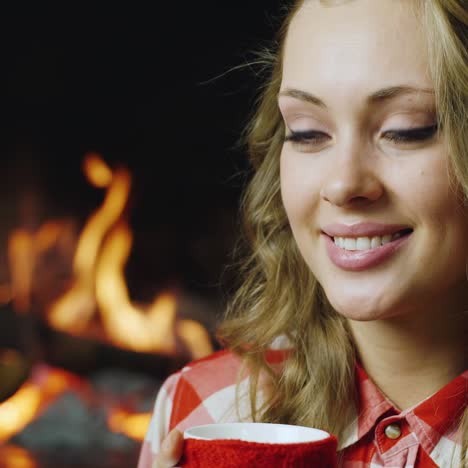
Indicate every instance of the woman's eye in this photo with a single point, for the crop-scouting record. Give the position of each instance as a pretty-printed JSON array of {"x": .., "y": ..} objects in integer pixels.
[
  {"x": 412, "y": 135},
  {"x": 306, "y": 138}
]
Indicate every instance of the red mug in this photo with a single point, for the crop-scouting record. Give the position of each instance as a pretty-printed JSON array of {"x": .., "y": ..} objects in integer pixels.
[{"x": 247, "y": 445}]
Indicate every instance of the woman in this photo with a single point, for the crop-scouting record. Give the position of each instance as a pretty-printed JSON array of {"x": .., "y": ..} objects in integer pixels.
[{"x": 358, "y": 227}]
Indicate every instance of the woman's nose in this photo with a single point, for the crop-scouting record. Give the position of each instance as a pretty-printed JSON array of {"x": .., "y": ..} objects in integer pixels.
[{"x": 351, "y": 181}]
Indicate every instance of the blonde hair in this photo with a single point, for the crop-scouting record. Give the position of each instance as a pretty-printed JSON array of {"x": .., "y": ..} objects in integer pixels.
[{"x": 279, "y": 296}]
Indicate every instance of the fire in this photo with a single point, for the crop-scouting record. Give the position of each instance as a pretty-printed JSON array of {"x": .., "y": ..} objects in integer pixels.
[
  {"x": 73, "y": 311},
  {"x": 24, "y": 248},
  {"x": 133, "y": 425},
  {"x": 97, "y": 171},
  {"x": 15, "y": 457},
  {"x": 128, "y": 325},
  {"x": 97, "y": 292},
  {"x": 98, "y": 285},
  {"x": 17, "y": 411},
  {"x": 42, "y": 388},
  {"x": 23, "y": 407},
  {"x": 195, "y": 337},
  {"x": 21, "y": 249}
]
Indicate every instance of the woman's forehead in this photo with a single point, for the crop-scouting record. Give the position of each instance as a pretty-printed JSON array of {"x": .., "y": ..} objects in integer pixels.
[
  {"x": 358, "y": 43},
  {"x": 381, "y": 23}
]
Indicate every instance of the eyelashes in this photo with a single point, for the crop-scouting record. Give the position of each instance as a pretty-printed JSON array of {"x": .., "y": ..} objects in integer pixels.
[
  {"x": 411, "y": 135},
  {"x": 309, "y": 136},
  {"x": 403, "y": 136}
]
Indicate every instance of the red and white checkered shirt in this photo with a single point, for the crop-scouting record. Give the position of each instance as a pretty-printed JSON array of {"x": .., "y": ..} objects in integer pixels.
[{"x": 424, "y": 436}]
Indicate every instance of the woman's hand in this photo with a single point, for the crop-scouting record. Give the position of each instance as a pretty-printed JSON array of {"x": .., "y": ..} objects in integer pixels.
[{"x": 171, "y": 450}]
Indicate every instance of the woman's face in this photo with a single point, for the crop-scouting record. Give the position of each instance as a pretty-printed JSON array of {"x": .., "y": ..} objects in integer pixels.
[{"x": 363, "y": 170}]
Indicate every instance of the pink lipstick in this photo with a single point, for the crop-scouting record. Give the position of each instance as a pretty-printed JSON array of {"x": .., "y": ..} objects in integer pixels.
[{"x": 359, "y": 260}]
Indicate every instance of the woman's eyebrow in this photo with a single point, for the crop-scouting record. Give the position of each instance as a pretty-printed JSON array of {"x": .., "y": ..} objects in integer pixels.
[
  {"x": 302, "y": 96},
  {"x": 397, "y": 91},
  {"x": 380, "y": 95}
]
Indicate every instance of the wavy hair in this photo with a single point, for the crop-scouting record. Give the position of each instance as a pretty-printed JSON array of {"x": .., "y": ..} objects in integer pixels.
[{"x": 279, "y": 296}]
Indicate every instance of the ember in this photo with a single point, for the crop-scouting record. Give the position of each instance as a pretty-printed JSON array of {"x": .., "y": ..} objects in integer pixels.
[
  {"x": 131, "y": 424},
  {"x": 32, "y": 397},
  {"x": 16, "y": 457},
  {"x": 54, "y": 415}
]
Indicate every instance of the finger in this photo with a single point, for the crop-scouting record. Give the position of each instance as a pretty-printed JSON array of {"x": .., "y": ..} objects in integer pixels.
[{"x": 171, "y": 450}]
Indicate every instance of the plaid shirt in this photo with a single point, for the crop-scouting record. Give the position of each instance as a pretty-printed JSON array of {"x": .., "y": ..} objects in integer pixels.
[{"x": 424, "y": 436}]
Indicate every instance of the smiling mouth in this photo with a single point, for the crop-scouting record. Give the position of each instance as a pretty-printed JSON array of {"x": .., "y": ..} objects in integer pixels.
[{"x": 369, "y": 243}]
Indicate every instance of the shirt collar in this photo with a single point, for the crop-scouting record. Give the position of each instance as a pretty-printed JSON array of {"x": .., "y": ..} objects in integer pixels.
[{"x": 439, "y": 412}]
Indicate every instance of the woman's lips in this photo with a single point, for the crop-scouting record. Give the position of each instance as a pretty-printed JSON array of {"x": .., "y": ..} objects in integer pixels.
[
  {"x": 364, "y": 229},
  {"x": 358, "y": 260}
]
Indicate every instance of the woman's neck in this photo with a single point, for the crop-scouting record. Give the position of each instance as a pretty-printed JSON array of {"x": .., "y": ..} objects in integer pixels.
[{"x": 409, "y": 358}]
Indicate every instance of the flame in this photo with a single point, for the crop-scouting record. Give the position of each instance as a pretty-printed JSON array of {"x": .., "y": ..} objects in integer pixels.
[
  {"x": 20, "y": 409},
  {"x": 21, "y": 254},
  {"x": 195, "y": 337},
  {"x": 133, "y": 425},
  {"x": 128, "y": 325},
  {"x": 97, "y": 171},
  {"x": 133, "y": 327},
  {"x": 24, "y": 248},
  {"x": 15, "y": 457},
  {"x": 47, "y": 236},
  {"x": 73, "y": 311}
]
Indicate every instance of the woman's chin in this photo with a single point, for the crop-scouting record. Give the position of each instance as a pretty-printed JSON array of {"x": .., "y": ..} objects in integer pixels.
[{"x": 363, "y": 308}]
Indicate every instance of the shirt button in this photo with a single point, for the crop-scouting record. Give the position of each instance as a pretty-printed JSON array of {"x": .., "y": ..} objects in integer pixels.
[{"x": 393, "y": 431}]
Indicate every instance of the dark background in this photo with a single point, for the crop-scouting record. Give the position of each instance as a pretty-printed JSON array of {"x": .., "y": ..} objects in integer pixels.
[
  {"x": 136, "y": 83},
  {"x": 147, "y": 85}
]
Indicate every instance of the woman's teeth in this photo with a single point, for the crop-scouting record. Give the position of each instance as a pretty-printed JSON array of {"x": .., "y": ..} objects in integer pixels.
[{"x": 365, "y": 243}]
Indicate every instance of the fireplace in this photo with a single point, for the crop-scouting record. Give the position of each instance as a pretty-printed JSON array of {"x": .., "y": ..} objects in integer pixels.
[
  {"x": 82, "y": 350},
  {"x": 121, "y": 175}
]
